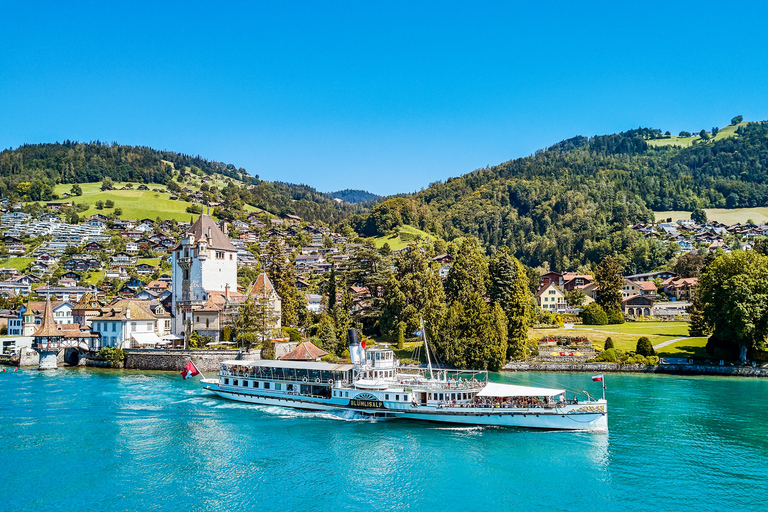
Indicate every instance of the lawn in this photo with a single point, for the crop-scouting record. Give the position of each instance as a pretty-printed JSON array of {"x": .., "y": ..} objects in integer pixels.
[
  {"x": 693, "y": 348},
  {"x": 136, "y": 204},
  {"x": 684, "y": 142},
  {"x": 398, "y": 241},
  {"x": 624, "y": 336},
  {"x": 17, "y": 263},
  {"x": 758, "y": 214}
]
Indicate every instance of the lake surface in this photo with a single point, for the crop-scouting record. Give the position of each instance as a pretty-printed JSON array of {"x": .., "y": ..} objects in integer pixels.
[{"x": 86, "y": 439}]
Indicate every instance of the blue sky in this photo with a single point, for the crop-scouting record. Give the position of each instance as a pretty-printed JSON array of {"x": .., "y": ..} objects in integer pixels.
[{"x": 383, "y": 96}]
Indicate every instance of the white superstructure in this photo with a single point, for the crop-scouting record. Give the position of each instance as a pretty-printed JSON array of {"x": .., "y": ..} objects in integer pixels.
[{"x": 375, "y": 385}]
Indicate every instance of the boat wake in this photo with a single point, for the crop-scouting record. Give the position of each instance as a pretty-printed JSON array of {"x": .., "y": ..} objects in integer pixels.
[{"x": 340, "y": 415}]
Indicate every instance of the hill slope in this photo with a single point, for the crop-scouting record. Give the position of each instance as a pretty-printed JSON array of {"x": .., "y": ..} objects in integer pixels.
[
  {"x": 572, "y": 203},
  {"x": 39, "y": 172},
  {"x": 353, "y": 196}
]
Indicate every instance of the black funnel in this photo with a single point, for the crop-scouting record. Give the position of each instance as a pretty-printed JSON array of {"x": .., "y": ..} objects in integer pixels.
[{"x": 352, "y": 338}]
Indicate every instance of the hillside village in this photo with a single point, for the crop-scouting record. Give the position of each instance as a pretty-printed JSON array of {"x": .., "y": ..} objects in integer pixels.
[{"x": 104, "y": 273}]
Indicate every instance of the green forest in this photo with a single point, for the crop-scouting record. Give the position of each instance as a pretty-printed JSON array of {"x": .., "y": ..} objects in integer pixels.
[{"x": 573, "y": 203}]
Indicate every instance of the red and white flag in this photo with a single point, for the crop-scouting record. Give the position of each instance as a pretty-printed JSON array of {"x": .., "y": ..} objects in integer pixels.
[
  {"x": 597, "y": 378},
  {"x": 189, "y": 371}
]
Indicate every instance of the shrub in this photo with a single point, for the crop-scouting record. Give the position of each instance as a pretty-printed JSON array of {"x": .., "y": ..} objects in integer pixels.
[
  {"x": 644, "y": 347},
  {"x": 636, "y": 359},
  {"x": 653, "y": 360},
  {"x": 291, "y": 333},
  {"x": 608, "y": 343},
  {"x": 609, "y": 356},
  {"x": 109, "y": 203},
  {"x": 226, "y": 333},
  {"x": 114, "y": 355},
  {"x": 594, "y": 314},
  {"x": 615, "y": 317},
  {"x": 330, "y": 358},
  {"x": 401, "y": 336}
]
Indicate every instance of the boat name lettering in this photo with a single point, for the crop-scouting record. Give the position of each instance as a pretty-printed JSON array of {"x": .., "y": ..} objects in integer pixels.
[{"x": 366, "y": 401}]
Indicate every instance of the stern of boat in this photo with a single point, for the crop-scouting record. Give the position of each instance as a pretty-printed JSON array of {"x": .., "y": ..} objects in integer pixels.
[{"x": 210, "y": 384}]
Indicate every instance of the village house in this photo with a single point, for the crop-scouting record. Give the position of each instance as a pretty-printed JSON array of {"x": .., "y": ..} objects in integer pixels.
[
  {"x": 128, "y": 323},
  {"x": 551, "y": 298}
]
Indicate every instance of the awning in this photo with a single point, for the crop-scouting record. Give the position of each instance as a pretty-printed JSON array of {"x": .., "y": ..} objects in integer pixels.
[
  {"x": 172, "y": 337},
  {"x": 147, "y": 338},
  {"x": 507, "y": 390},
  {"x": 219, "y": 343}
]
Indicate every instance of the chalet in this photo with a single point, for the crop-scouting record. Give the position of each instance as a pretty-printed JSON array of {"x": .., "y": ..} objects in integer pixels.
[
  {"x": 302, "y": 285},
  {"x": 122, "y": 258},
  {"x": 443, "y": 272},
  {"x": 249, "y": 238},
  {"x": 93, "y": 246},
  {"x": 97, "y": 216},
  {"x": 555, "y": 278},
  {"x": 145, "y": 269},
  {"x": 11, "y": 240},
  {"x": 443, "y": 259},
  {"x": 116, "y": 273},
  {"x": 314, "y": 302},
  {"x": 142, "y": 187},
  {"x": 572, "y": 280},
  {"x": 65, "y": 293},
  {"x": 96, "y": 223},
  {"x": 551, "y": 298},
  {"x": 17, "y": 249},
  {"x": 293, "y": 219},
  {"x": 157, "y": 286},
  {"x": 71, "y": 275},
  {"x": 132, "y": 285},
  {"x": 680, "y": 288},
  {"x": 132, "y": 247}
]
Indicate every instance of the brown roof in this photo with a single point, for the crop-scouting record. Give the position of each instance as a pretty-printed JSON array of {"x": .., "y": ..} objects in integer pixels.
[
  {"x": 205, "y": 225},
  {"x": 87, "y": 301},
  {"x": 262, "y": 286},
  {"x": 140, "y": 310},
  {"x": 306, "y": 351},
  {"x": 48, "y": 326},
  {"x": 217, "y": 300}
]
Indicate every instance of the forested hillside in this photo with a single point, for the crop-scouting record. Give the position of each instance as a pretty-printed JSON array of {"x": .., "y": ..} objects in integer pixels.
[
  {"x": 572, "y": 203},
  {"x": 31, "y": 172},
  {"x": 353, "y": 196}
]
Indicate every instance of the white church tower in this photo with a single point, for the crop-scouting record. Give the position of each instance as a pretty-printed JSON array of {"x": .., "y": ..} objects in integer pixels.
[{"x": 204, "y": 264}]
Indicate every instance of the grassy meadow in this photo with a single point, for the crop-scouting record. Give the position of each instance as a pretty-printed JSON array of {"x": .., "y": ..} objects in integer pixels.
[
  {"x": 136, "y": 204},
  {"x": 401, "y": 239},
  {"x": 625, "y": 337},
  {"x": 684, "y": 142},
  {"x": 758, "y": 214}
]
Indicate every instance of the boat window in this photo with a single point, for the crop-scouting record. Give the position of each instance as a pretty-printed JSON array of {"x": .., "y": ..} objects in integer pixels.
[
  {"x": 346, "y": 394},
  {"x": 226, "y": 381},
  {"x": 429, "y": 396},
  {"x": 441, "y": 396},
  {"x": 386, "y": 397},
  {"x": 397, "y": 397},
  {"x": 234, "y": 383},
  {"x": 266, "y": 385},
  {"x": 453, "y": 396},
  {"x": 277, "y": 386}
]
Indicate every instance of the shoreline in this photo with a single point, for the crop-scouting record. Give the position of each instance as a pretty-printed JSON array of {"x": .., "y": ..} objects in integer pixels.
[{"x": 666, "y": 369}]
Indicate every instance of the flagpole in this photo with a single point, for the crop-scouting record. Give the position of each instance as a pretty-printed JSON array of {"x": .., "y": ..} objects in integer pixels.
[
  {"x": 201, "y": 373},
  {"x": 603, "y": 386}
]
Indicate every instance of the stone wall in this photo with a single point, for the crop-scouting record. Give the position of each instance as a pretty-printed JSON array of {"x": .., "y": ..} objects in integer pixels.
[
  {"x": 676, "y": 369},
  {"x": 176, "y": 360}
]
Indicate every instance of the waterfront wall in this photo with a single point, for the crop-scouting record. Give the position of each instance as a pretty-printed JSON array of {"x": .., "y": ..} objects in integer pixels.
[
  {"x": 27, "y": 357},
  {"x": 675, "y": 369},
  {"x": 205, "y": 360}
]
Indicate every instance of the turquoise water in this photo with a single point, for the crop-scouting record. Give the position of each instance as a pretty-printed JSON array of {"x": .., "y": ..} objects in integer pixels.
[{"x": 82, "y": 439}]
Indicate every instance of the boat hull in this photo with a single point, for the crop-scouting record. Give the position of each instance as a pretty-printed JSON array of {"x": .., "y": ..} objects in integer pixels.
[{"x": 544, "y": 419}]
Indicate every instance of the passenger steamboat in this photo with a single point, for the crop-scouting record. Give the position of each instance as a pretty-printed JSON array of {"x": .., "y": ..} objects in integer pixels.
[{"x": 375, "y": 385}]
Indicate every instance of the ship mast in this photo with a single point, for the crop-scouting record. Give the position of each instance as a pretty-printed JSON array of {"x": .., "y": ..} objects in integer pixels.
[{"x": 426, "y": 348}]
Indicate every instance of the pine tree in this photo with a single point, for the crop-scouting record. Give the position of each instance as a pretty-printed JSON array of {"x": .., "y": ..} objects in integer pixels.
[
  {"x": 413, "y": 290},
  {"x": 468, "y": 273},
  {"x": 609, "y": 283},
  {"x": 509, "y": 289}
]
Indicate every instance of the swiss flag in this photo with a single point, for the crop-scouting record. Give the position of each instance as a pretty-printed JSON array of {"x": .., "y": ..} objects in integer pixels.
[{"x": 189, "y": 371}]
